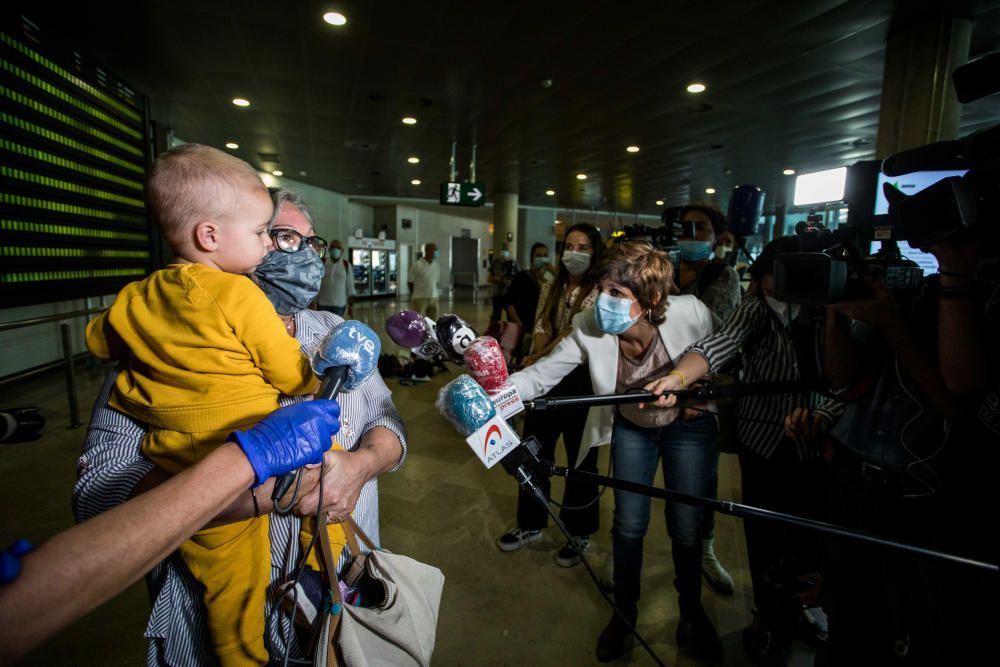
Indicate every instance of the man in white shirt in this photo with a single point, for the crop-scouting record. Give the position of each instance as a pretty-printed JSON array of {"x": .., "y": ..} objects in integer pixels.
[
  {"x": 336, "y": 294},
  {"x": 424, "y": 277}
]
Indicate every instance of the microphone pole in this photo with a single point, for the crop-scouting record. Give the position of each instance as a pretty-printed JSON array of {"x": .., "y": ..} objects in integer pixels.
[
  {"x": 749, "y": 512},
  {"x": 707, "y": 392},
  {"x": 333, "y": 380}
]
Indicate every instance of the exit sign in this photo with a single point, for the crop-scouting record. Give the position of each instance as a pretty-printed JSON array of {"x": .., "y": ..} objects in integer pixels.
[{"x": 463, "y": 194}]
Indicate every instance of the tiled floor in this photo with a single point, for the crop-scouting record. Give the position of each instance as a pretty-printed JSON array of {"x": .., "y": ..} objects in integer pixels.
[{"x": 442, "y": 507}]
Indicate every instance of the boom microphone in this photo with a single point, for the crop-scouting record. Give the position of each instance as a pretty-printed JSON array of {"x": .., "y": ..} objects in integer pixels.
[
  {"x": 706, "y": 392},
  {"x": 352, "y": 349}
]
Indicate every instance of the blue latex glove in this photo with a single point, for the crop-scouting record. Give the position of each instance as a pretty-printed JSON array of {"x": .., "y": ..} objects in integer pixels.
[
  {"x": 289, "y": 438},
  {"x": 10, "y": 560}
]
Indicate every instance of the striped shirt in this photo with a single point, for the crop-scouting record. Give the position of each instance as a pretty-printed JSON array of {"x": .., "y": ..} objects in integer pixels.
[
  {"x": 111, "y": 464},
  {"x": 768, "y": 356}
]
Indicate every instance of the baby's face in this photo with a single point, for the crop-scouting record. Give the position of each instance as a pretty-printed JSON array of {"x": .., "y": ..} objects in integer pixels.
[{"x": 244, "y": 239}]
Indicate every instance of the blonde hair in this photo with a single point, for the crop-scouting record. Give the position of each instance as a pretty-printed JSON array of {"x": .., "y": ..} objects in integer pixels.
[
  {"x": 643, "y": 269},
  {"x": 191, "y": 183}
]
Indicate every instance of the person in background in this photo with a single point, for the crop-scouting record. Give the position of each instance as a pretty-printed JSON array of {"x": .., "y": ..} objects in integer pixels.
[
  {"x": 718, "y": 286},
  {"x": 633, "y": 336},
  {"x": 336, "y": 293},
  {"x": 425, "y": 274},
  {"x": 502, "y": 271},
  {"x": 521, "y": 300},
  {"x": 573, "y": 290}
]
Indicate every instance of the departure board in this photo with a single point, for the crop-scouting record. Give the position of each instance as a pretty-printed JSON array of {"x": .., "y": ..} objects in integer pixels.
[{"x": 74, "y": 145}]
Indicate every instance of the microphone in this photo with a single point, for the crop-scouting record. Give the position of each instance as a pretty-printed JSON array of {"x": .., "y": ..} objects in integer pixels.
[
  {"x": 455, "y": 335},
  {"x": 350, "y": 353},
  {"x": 412, "y": 330},
  {"x": 466, "y": 405},
  {"x": 484, "y": 358}
]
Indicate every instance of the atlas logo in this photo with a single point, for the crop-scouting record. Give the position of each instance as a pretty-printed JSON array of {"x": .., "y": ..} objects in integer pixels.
[{"x": 493, "y": 437}]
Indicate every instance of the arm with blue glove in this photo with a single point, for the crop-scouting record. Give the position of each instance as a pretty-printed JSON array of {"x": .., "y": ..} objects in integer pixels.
[{"x": 83, "y": 567}]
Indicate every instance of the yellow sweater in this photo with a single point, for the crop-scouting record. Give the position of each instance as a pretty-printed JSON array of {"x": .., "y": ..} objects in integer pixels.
[{"x": 203, "y": 350}]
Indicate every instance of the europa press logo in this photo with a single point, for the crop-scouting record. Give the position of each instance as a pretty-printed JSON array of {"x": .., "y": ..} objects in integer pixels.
[{"x": 493, "y": 437}]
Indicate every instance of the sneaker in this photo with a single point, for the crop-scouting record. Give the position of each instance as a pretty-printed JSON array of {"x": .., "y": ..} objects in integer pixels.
[
  {"x": 518, "y": 538},
  {"x": 715, "y": 574},
  {"x": 306, "y": 593},
  {"x": 571, "y": 554}
]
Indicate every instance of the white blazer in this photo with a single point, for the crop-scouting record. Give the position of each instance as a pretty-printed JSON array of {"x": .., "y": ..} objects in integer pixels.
[{"x": 688, "y": 321}]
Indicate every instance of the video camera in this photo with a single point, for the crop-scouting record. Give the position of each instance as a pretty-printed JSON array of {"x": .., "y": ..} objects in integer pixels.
[{"x": 956, "y": 188}]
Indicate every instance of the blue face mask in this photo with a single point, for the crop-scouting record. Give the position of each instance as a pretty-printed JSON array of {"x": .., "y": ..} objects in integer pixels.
[
  {"x": 437, "y": 253},
  {"x": 540, "y": 262},
  {"x": 695, "y": 251},
  {"x": 613, "y": 313},
  {"x": 336, "y": 253}
]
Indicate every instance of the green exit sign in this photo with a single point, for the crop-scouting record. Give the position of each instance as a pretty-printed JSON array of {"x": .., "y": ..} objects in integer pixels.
[{"x": 463, "y": 194}]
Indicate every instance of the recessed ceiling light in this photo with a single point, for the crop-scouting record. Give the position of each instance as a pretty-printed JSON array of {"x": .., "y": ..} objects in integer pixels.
[
  {"x": 278, "y": 172},
  {"x": 709, "y": 191},
  {"x": 632, "y": 149},
  {"x": 659, "y": 202},
  {"x": 413, "y": 159},
  {"x": 550, "y": 193},
  {"x": 409, "y": 120},
  {"x": 581, "y": 177},
  {"x": 788, "y": 172},
  {"x": 302, "y": 173},
  {"x": 335, "y": 18},
  {"x": 696, "y": 87},
  {"x": 241, "y": 101},
  {"x": 232, "y": 145},
  {"x": 415, "y": 181}
]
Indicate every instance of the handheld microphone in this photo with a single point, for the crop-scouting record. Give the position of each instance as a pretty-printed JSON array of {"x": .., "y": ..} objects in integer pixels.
[
  {"x": 455, "y": 335},
  {"x": 348, "y": 356},
  {"x": 412, "y": 330},
  {"x": 484, "y": 357},
  {"x": 466, "y": 405}
]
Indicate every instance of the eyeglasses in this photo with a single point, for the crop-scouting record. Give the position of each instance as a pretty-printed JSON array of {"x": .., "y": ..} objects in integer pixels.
[{"x": 289, "y": 240}]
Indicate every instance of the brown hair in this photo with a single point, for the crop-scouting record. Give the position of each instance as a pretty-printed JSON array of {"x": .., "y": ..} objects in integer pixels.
[
  {"x": 714, "y": 215},
  {"x": 550, "y": 309},
  {"x": 191, "y": 183},
  {"x": 646, "y": 271}
]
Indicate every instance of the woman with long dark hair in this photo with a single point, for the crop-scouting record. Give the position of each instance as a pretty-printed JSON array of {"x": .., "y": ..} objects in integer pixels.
[{"x": 574, "y": 289}]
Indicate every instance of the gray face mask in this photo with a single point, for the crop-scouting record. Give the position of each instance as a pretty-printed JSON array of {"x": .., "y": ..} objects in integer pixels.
[{"x": 290, "y": 280}]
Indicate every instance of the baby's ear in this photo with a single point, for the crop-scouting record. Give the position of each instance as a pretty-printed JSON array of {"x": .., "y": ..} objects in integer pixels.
[{"x": 206, "y": 235}]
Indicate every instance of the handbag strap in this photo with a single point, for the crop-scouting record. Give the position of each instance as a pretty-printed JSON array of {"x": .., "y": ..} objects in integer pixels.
[
  {"x": 353, "y": 532},
  {"x": 329, "y": 565}
]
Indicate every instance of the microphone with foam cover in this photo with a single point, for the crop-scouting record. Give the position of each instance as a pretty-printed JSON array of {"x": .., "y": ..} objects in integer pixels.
[
  {"x": 484, "y": 359},
  {"x": 455, "y": 335}
]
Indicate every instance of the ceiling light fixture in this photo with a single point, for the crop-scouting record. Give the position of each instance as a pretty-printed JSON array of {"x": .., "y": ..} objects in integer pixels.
[
  {"x": 409, "y": 120},
  {"x": 232, "y": 145},
  {"x": 696, "y": 88},
  {"x": 302, "y": 173},
  {"x": 550, "y": 193},
  {"x": 632, "y": 149},
  {"x": 581, "y": 177},
  {"x": 415, "y": 181},
  {"x": 241, "y": 101},
  {"x": 659, "y": 202},
  {"x": 788, "y": 172},
  {"x": 709, "y": 191},
  {"x": 278, "y": 172},
  {"x": 413, "y": 159},
  {"x": 335, "y": 18}
]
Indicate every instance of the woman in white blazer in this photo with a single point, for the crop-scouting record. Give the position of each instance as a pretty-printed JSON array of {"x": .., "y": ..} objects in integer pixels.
[{"x": 629, "y": 339}]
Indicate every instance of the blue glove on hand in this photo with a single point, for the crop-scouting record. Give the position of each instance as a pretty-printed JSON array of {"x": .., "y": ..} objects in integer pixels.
[{"x": 289, "y": 437}]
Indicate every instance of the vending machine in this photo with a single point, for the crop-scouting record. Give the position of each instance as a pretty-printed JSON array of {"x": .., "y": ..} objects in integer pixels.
[{"x": 375, "y": 266}]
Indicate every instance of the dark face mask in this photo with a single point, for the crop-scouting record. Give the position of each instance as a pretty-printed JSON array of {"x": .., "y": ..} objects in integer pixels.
[{"x": 290, "y": 280}]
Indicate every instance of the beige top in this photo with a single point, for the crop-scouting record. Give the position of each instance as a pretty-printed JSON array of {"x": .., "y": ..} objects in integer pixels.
[
  {"x": 565, "y": 311},
  {"x": 633, "y": 374}
]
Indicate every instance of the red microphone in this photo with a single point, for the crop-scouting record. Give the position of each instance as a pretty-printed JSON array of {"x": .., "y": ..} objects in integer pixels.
[{"x": 484, "y": 359}]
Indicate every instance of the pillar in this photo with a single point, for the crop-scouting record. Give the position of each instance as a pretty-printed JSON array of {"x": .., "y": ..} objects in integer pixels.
[{"x": 505, "y": 223}]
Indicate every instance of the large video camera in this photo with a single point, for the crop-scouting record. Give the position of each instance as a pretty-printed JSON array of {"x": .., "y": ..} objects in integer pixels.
[{"x": 956, "y": 193}]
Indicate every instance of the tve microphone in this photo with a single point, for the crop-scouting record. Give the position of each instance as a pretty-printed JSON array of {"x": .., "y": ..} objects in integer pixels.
[
  {"x": 412, "y": 330},
  {"x": 484, "y": 359},
  {"x": 466, "y": 405},
  {"x": 350, "y": 356},
  {"x": 455, "y": 335}
]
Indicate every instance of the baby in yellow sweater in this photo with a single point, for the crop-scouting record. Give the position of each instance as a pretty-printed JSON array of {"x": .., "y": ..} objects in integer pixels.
[{"x": 203, "y": 354}]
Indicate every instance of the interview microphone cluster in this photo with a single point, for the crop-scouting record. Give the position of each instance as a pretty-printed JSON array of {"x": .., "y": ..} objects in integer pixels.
[
  {"x": 450, "y": 336},
  {"x": 352, "y": 350}
]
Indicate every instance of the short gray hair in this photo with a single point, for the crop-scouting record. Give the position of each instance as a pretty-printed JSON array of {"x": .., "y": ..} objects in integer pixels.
[{"x": 281, "y": 195}]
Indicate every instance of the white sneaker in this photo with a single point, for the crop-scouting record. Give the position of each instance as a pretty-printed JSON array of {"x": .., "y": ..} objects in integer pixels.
[
  {"x": 715, "y": 574},
  {"x": 517, "y": 538}
]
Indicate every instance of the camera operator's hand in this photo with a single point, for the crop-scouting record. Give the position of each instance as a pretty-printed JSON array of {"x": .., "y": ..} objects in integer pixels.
[
  {"x": 959, "y": 257},
  {"x": 878, "y": 309},
  {"x": 671, "y": 382}
]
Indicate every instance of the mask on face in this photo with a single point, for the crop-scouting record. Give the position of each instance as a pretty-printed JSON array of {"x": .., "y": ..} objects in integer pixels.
[
  {"x": 335, "y": 253},
  {"x": 695, "y": 251},
  {"x": 576, "y": 263},
  {"x": 782, "y": 309},
  {"x": 437, "y": 253},
  {"x": 613, "y": 313},
  {"x": 290, "y": 280},
  {"x": 540, "y": 262},
  {"x": 505, "y": 254}
]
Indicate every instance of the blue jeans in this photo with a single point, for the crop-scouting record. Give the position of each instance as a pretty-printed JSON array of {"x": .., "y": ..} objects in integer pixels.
[{"x": 688, "y": 453}]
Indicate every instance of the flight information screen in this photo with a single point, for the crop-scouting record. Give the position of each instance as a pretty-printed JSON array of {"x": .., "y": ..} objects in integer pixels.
[{"x": 74, "y": 145}]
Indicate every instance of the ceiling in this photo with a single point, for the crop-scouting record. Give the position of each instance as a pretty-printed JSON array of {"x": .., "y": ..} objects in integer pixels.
[{"x": 790, "y": 85}]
